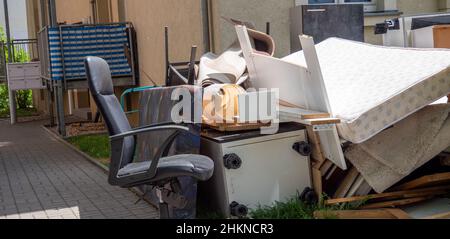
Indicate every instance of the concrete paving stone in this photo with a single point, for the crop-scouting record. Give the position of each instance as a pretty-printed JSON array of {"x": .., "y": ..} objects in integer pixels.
[
  {"x": 26, "y": 216},
  {"x": 69, "y": 217},
  {"x": 13, "y": 216},
  {"x": 46, "y": 179},
  {"x": 8, "y": 212}
]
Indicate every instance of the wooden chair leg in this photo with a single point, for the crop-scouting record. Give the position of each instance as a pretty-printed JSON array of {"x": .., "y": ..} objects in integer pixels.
[{"x": 317, "y": 161}]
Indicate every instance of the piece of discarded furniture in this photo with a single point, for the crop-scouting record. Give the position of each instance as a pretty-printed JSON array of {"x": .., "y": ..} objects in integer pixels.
[
  {"x": 402, "y": 35},
  {"x": 368, "y": 87},
  {"x": 155, "y": 107},
  {"x": 295, "y": 88},
  {"x": 431, "y": 37},
  {"x": 253, "y": 169},
  {"x": 180, "y": 73},
  {"x": 325, "y": 21},
  {"x": 159, "y": 171}
]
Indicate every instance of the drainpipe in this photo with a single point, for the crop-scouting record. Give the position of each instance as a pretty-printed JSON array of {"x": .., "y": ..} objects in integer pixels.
[
  {"x": 11, "y": 93},
  {"x": 59, "y": 91},
  {"x": 205, "y": 4},
  {"x": 43, "y": 15},
  {"x": 52, "y": 13},
  {"x": 94, "y": 11}
]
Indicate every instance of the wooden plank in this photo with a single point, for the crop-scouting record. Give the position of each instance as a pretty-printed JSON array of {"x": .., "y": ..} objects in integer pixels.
[
  {"x": 393, "y": 195},
  {"x": 326, "y": 167},
  {"x": 317, "y": 181},
  {"x": 315, "y": 116},
  {"x": 355, "y": 214},
  {"x": 399, "y": 214},
  {"x": 347, "y": 183},
  {"x": 320, "y": 121},
  {"x": 397, "y": 203},
  {"x": 426, "y": 181},
  {"x": 363, "y": 214},
  {"x": 359, "y": 181},
  {"x": 236, "y": 127},
  {"x": 445, "y": 215},
  {"x": 363, "y": 190},
  {"x": 331, "y": 172},
  {"x": 316, "y": 155}
]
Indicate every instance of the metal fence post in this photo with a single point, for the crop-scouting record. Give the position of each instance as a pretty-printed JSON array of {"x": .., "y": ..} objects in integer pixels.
[
  {"x": 59, "y": 86},
  {"x": 11, "y": 93}
]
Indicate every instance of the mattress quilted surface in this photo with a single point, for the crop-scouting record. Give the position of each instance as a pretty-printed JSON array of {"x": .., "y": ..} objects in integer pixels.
[{"x": 370, "y": 88}]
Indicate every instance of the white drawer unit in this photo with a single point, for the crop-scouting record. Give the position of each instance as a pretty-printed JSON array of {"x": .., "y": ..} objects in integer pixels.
[
  {"x": 254, "y": 170},
  {"x": 25, "y": 76},
  {"x": 32, "y": 70}
]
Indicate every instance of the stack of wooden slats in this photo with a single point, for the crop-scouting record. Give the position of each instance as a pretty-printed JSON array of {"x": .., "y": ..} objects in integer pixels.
[
  {"x": 350, "y": 187},
  {"x": 381, "y": 205}
]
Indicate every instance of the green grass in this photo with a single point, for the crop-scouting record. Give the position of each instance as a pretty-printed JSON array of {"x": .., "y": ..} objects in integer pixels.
[
  {"x": 296, "y": 209},
  {"x": 96, "y": 146},
  {"x": 293, "y": 209},
  {"x": 20, "y": 113}
]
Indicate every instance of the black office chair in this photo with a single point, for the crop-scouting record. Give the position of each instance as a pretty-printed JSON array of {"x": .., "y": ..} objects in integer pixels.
[{"x": 160, "y": 172}]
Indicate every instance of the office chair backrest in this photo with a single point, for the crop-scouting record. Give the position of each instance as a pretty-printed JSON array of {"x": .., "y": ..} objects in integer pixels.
[{"x": 100, "y": 83}]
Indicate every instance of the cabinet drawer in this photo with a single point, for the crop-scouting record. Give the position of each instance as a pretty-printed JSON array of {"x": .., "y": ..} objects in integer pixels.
[
  {"x": 17, "y": 85},
  {"x": 34, "y": 83},
  {"x": 16, "y": 72},
  {"x": 33, "y": 70}
]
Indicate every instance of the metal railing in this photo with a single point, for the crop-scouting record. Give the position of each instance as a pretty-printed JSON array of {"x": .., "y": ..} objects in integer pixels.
[{"x": 23, "y": 51}]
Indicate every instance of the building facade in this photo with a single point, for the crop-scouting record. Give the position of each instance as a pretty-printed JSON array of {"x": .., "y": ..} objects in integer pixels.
[{"x": 193, "y": 22}]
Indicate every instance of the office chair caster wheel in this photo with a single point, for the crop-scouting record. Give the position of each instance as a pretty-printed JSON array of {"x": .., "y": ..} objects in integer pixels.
[
  {"x": 232, "y": 161},
  {"x": 238, "y": 210},
  {"x": 309, "y": 196},
  {"x": 302, "y": 148}
]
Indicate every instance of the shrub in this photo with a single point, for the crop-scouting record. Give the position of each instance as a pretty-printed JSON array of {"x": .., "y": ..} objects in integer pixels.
[{"x": 24, "y": 98}]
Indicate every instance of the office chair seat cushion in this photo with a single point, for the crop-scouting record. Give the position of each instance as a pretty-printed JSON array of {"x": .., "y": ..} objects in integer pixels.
[{"x": 196, "y": 166}]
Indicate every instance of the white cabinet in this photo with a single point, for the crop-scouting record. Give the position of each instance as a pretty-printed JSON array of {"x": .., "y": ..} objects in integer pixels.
[
  {"x": 254, "y": 170},
  {"x": 24, "y": 76}
]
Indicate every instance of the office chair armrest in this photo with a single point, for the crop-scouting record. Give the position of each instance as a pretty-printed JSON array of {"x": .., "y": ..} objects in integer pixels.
[
  {"x": 148, "y": 129},
  {"x": 151, "y": 172}
]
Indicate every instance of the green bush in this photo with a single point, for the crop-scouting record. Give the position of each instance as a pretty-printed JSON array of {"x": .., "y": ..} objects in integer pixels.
[
  {"x": 4, "y": 99},
  {"x": 24, "y": 98}
]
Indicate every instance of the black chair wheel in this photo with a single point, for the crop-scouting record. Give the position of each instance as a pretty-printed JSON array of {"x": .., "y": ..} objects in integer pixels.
[
  {"x": 309, "y": 196},
  {"x": 238, "y": 210}
]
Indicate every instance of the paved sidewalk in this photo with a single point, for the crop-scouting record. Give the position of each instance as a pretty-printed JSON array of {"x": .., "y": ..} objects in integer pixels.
[{"x": 41, "y": 178}]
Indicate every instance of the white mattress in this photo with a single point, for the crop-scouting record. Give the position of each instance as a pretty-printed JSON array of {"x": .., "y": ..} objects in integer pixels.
[{"x": 370, "y": 88}]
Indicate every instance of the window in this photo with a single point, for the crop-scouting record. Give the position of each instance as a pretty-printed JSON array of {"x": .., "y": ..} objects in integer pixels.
[
  {"x": 370, "y": 5},
  {"x": 341, "y": 1}
]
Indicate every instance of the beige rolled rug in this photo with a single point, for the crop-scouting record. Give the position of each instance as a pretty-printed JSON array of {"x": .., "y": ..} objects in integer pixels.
[{"x": 220, "y": 104}]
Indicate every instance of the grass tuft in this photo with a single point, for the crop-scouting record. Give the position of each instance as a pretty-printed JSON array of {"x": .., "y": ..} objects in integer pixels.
[
  {"x": 96, "y": 146},
  {"x": 296, "y": 209},
  {"x": 20, "y": 113}
]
